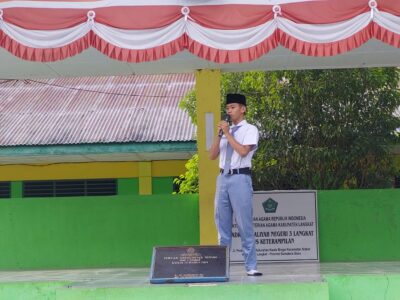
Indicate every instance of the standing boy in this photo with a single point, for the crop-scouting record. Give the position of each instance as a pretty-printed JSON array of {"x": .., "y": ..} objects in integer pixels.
[{"x": 235, "y": 146}]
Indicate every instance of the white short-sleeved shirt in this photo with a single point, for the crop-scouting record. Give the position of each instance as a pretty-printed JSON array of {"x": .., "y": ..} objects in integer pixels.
[{"x": 247, "y": 134}]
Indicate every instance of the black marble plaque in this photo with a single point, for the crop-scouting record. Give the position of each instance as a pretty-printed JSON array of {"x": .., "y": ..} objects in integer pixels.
[{"x": 190, "y": 264}]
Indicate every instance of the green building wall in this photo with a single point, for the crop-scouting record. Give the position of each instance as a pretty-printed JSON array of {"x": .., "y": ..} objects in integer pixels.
[
  {"x": 120, "y": 231},
  {"x": 85, "y": 232},
  {"x": 359, "y": 225}
]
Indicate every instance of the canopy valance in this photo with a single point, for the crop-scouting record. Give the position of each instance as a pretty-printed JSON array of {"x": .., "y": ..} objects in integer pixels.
[{"x": 220, "y": 31}]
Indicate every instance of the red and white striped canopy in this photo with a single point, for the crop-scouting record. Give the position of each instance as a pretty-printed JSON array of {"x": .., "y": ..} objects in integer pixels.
[
  {"x": 43, "y": 38},
  {"x": 220, "y": 31}
]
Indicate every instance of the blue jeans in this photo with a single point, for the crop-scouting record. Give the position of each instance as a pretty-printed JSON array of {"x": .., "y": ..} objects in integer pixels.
[{"x": 234, "y": 194}]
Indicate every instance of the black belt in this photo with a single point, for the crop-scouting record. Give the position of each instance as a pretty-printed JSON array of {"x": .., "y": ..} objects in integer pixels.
[{"x": 246, "y": 171}]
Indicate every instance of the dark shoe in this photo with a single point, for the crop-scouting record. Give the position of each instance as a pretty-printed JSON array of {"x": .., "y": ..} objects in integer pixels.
[{"x": 254, "y": 273}]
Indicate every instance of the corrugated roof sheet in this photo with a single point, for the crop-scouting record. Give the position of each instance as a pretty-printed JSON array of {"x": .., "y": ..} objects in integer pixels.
[{"x": 117, "y": 109}]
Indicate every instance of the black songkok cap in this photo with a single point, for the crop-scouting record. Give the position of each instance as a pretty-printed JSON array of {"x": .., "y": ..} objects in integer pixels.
[{"x": 236, "y": 98}]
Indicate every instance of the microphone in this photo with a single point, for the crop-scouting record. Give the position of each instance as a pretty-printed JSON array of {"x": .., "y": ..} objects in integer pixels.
[{"x": 226, "y": 119}]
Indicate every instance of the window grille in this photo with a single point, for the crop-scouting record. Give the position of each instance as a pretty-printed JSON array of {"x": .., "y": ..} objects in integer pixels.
[
  {"x": 5, "y": 189},
  {"x": 70, "y": 188}
]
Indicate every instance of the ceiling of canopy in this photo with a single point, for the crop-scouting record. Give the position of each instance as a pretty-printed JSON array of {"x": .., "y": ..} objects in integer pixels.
[
  {"x": 104, "y": 37},
  {"x": 93, "y": 63}
]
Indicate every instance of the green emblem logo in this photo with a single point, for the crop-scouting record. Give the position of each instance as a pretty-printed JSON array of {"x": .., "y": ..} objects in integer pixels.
[{"x": 270, "y": 205}]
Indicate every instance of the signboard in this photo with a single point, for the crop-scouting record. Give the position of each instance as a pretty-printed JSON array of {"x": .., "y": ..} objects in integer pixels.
[
  {"x": 285, "y": 227},
  {"x": 189, "y": 264}
]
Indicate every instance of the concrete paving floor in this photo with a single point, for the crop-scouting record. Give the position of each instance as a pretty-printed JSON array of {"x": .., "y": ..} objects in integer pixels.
[{"x": 273, "y": 273}]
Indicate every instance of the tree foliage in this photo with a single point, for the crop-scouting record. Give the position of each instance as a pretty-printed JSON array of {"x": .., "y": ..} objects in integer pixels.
[
  {"x": 189, "y": 182},
  {"x": 188, "y": 103},
  {"x": 320, "y": 129}
]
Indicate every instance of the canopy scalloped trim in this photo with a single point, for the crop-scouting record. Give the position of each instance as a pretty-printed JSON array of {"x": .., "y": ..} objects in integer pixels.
[{"x": 217, "y": 45}]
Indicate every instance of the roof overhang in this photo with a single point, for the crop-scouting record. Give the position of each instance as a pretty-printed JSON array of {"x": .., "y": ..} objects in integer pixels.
[{"x": 97, "y": 153}]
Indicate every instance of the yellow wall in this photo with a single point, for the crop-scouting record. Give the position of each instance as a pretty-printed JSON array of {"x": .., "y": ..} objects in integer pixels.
[
  {"x": 89, "y": 170},
  {"x": 145, "y": 184}
]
